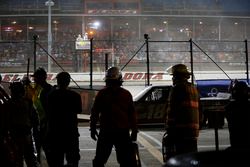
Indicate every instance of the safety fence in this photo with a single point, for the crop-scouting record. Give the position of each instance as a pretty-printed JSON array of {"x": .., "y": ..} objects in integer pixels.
[{"x": 141, "y": 58}]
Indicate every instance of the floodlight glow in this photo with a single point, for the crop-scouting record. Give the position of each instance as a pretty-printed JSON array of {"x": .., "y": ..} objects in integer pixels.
[{"x": 96, "y": 24}]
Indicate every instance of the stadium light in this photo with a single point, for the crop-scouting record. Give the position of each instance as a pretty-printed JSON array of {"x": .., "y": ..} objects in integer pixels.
[
  {"x": 49, "y": 3},
  {"x": 94, "y": 25},
  {"x": 97, "y": 24}
]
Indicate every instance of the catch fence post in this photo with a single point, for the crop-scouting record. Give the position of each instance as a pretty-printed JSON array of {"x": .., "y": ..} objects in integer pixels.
[
  {"x": 191, "y": 60},
  {"x": 34, "y": 50},
  {"x": 147, "y": 53},
  {"x": 91, "y": 63},
  {"x": 247, "y": 73},
  {"x": 106, "y": 61}
]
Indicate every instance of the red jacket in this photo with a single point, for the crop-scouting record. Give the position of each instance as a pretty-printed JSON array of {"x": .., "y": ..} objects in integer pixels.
[{"x": 113, "y": 108}]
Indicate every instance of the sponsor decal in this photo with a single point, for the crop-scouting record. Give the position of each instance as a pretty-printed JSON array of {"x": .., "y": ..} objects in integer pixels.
[
  {"x": 17, "y": 77},
  {"x": 142, "y": 76},
  {"x": 82, "y": 77},
  {"x": 127, "y": 76}
]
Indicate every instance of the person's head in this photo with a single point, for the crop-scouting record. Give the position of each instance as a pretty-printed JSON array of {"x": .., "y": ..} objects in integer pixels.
[
  {"x": 113, "y": 77},
  {"x": 179, "y": 72},
  {"x": 63, "y": 79},
  {"x": 17, "y": 89},
  {"x": 40, "y": 75},
  {"x": 240, "y": 90}
]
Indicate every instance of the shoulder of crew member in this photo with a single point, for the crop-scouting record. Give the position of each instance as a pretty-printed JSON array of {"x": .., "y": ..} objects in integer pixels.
[{"x": 126, "y": 91}]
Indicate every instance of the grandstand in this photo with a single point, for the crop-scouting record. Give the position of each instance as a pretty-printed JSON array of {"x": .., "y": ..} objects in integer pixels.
[{"x": 221, "y": 28}]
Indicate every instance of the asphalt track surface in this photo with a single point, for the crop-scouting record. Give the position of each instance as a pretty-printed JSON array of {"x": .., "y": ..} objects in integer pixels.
[{"x": 149, "y": 141}]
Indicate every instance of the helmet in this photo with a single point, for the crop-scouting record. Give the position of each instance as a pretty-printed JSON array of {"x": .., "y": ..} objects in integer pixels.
[
  {"x": 240, "y": 88},
  {"x": 63, "y": 78},
  {"x": 113, "y": 73},
  {"x": 178, "y": 69},
  {"x": 40, "y": 72}
]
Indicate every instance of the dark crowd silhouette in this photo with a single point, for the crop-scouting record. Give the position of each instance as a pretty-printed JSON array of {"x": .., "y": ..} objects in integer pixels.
[{"x": 30, "y": 123}]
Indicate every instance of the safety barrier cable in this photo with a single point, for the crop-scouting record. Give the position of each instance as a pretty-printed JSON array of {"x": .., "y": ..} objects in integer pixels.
[
  {"x": 211, "y": 59},
  {"x": 56, "y": 62}
]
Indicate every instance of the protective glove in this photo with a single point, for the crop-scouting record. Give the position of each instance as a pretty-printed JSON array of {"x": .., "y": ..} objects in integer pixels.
[
  {"x": 93, "y": 134},
  {"x": 134, "y": 135}
]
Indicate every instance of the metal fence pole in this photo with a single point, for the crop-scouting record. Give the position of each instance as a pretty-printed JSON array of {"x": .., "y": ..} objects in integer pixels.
[
  {"x": 247, "y": 73},
  {"x": 91, "y": 63},
  {"x": 34, "y": 51},
  {"x": 147, "y": 53},
  {"x": 191, "y": 60},
  {"x": 106, "y": 61}
]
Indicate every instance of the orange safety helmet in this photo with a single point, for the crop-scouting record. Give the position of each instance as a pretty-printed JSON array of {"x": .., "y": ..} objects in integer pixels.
[{"x": 179, "y": 69}]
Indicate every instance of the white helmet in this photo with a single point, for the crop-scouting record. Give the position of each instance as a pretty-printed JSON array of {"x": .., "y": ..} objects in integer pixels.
[{"x": 113, "y": 73}]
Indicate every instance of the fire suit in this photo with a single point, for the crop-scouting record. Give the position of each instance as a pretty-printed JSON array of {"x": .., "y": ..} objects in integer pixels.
[
  {"x": 114, "y": 109},
  {"x": 183, "y": 118}
]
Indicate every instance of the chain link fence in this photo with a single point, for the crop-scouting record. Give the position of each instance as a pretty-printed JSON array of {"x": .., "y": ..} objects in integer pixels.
[{"x": 131, "y": 56}]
